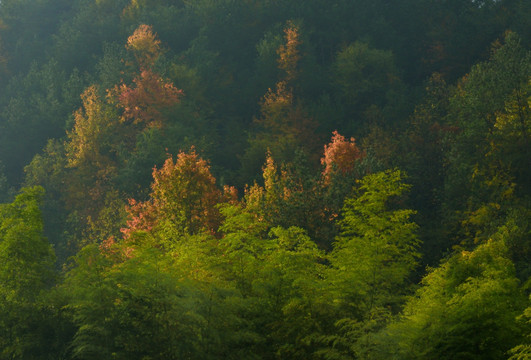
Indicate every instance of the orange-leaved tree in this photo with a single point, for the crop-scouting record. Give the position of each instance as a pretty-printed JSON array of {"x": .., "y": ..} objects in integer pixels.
[
  {"x": 183, "y": 197},
  {"x": 284, "y": 122},
  {"x": 340, "y": 157},
  {"x": 289, "y": 53},
  {"x": 146, "y": 99},
  {"x": 149, "y": 96}
]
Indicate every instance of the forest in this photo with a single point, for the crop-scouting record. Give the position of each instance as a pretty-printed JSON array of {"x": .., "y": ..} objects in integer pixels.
[{"x": 265, "y": 179}]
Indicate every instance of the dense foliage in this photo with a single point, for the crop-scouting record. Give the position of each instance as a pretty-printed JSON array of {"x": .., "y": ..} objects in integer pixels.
[{"x": 340, "y": 179}]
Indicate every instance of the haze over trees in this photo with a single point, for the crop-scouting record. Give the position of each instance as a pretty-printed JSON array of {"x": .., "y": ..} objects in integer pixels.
[{"x": 265, "y": 179}]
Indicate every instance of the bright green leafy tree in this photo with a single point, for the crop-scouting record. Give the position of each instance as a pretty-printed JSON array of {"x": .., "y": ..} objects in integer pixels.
[
  {"x": 371, "y": 263},
  {"x": 26, "y": 272},
  {"x": 466, "y": 308}
]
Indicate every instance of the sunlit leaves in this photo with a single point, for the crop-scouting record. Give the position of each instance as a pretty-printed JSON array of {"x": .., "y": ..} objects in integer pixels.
[
  {"x": 134, "y": 307},
  {"x": 278, "y": 273},
  {"x": 184, "y": 196},
  {"x": 510, "y": 144},
  {"x": 26, "y": 256},
  {"x": 145, "y": 45},
  {"x": 146, "y": 100},
  {"x": 284, "y": 123},
  {"x": 523, "y": 351},
  {"x": 465, "y": 308},
  {"x": 289, "y": 53},
  {"x": 377, "y": 248},
  {"x": 92, "y": 132},
  {"x": 26, "y": 272},
  {"x": 340, "y": 156}
]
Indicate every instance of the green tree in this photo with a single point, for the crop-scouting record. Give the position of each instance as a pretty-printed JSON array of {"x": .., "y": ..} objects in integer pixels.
[
  {"x": 127, "y": 305},
  {"x": 3, "y": 58},
  {"x": 423, "y": 151},
  {"x": 489, "y": 106},
  {"x": 133, "y": 299},
  {"x": 293, "y": 195},
  {"x": 35, "y": 108},
  {"x": 26, "y": 272},
  {"x": 509, "y": 157},
  {"x": 466, "y": 308},
  {"x": 370, "y": 264},
  {"x": 377, "y": 247},
  {"x": 27, "y": 257},
  {"x": 367, "y": 84},
  {"x": 523, "y": 351},
  {"x": 4, "y": 187},
  {"x": 183, "y": 197},
  {"x": 278, "y": 273}
]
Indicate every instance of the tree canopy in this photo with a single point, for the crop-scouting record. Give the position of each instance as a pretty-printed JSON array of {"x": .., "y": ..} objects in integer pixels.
[{"x": 265, "y": 179}]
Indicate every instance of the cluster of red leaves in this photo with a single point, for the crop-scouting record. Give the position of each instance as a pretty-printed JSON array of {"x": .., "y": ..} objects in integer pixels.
[
  {"x": 183, "y": 192},
  {"x": 111, "y": 249},
  {"x": 146, "y": 99},
  {"x": 340, "y": 156},
  {"x": 142, "y": 217}
]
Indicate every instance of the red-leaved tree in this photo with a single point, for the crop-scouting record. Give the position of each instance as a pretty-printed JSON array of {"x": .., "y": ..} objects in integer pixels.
[
  {"x": 146, "y": 99},
  {"x": 340, "y": 156},
  {"x": 183, "y": 195},
  {"x": 149, "y": 96}
]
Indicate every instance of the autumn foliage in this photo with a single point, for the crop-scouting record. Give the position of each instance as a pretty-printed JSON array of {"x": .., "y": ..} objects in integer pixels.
[
  {"x": 265, "y": 200},
  {"x": 146, "y": 99},
  {"x": 145, "y": 45},
  {"x": 289, "y": 54},
  {"x": 285, "y": 121},
  {"x": 340, "y": 156},
  {"x": 183, "y": 194},
  {"x": 92, "y": 125}
]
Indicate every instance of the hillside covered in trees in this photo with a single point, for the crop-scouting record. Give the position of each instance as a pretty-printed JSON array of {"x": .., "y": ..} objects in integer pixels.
[{"x": 265, "y": 179}]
